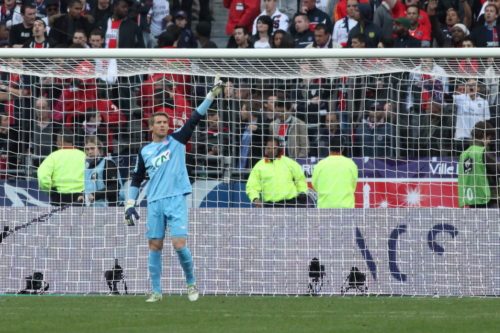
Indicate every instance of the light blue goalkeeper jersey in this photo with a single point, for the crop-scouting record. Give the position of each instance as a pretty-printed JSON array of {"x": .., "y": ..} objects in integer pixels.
[{"x": 165, "y": 162}]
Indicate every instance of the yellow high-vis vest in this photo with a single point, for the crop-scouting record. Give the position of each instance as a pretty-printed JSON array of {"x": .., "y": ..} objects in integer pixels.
[
  {"x": 334, "y": 179},
  {"x": 63, "y": 171},
  {"x": 277, "y": 180}
]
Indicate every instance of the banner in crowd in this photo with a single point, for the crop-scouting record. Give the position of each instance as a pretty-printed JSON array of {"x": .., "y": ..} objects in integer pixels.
[{"x": 385, "y": 183}]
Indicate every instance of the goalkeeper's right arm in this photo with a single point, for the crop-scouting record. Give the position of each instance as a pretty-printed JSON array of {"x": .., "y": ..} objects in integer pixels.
[{"x": 183, "y": 135}]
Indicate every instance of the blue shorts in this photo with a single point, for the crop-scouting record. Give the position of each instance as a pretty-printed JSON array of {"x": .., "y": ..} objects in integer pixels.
[{"x": 171, "y": 211}]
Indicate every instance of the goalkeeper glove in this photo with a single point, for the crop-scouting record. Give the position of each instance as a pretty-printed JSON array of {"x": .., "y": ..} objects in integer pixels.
[
  {"x": 216, "y": 88},
  {"x": 130, "y": 213}
]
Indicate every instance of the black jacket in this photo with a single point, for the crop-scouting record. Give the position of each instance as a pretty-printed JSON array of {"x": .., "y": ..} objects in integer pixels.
[
  {"x": 19, "y": 34},
  {"x": 97, "y": 18},
  {"x": 480, "y": 36},
  {"x": 142, "y": 14},
  {"x": 438, "y": 34},
  {"x": 306, "y": 111},
  {"x": 60, "y": 29},
  {"x": 110, "y": 178},
  {"x": 187, "y": 40},
  {"x": 407, "y": 42},
  {"x": 432, "y": 137},
  {"x": 303, "y": 39},
  {"x": 129, "y": 33},
  {"x": 257, "y": 144},
  {"x": 372, "y": 31}
]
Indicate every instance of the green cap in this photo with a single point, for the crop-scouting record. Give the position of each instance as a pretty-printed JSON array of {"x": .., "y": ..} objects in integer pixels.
[{"x": 404, "y": 21}]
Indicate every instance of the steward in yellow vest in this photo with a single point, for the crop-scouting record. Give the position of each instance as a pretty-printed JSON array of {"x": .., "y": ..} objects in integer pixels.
[
  {"x": 279, "y": 179},
  {"x": 335, "y": 178},
  {"x": 62, "y": 173}
]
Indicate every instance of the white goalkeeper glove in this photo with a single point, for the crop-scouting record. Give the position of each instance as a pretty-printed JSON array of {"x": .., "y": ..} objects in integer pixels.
[
  {"x": 130, "y": 213},
  {"x": 216, "y": 89}
]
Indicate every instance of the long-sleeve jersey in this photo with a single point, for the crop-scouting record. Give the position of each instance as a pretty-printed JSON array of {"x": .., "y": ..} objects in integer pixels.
[{"x": 165, "y": 162}]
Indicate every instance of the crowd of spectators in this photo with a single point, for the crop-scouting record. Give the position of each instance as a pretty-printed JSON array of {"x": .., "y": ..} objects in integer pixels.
[{"x": 396, "y": 115}]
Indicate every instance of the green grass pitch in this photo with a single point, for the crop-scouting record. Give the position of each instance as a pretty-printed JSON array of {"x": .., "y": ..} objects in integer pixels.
[{"x": 123, "y": 314}]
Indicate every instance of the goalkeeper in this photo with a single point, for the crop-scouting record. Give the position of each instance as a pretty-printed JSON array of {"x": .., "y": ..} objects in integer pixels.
[
  {"x": 478, "y": 170},
  {"x": 164, "y": 160}
]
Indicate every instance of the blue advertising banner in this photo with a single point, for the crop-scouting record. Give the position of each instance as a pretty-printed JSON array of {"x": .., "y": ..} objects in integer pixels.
[{"x": 217, "y": 194}]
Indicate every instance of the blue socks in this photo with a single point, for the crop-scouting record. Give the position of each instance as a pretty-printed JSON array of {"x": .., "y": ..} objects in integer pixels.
[
  {"x": 154, "y": 265},
  {"x": 186, "y": 261}
]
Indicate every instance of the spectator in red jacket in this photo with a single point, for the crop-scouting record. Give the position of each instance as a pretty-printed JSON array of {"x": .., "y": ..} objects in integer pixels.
[
  {"x": 146, "y": 98},
  {"x": 110, "y": 113},
  {"x": 420, "y": 32},
  {"x": 423, "y": 18},
  {"x": 79, "y": 95},
  {"x": 241, "y": 12}
]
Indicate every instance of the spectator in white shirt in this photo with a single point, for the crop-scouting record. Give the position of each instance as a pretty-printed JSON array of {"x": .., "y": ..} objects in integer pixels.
[
  {"x": 471, "y": 108},
  {"x": 280, "y": 20},
  {"x": 287, "y": 7},
  {"x": 342, "y": 27},
  {"x": 160, "y": 17}
]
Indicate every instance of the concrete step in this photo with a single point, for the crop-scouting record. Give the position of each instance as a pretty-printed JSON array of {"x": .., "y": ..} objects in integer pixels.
[
  {"x": 220, "y": 42},
  {"x": 219, "y": 29},
  {"x": 220, "y": 15}
]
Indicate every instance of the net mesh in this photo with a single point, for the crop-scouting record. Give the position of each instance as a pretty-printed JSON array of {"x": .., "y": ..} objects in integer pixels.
[
  {"x": 256, "y": 68},
  {"x": 404, "y": 123}
]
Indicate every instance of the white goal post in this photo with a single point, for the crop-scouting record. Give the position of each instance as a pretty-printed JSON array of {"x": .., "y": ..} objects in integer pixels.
[{"x": 404, "y": 116}]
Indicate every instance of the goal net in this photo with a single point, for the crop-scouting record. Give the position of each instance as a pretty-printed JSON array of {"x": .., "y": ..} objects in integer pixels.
[{"x": 404, "y": 122}]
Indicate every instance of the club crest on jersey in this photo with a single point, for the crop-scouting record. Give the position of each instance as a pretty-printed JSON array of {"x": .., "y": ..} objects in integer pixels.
[{"x": 158, "y": 160}]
